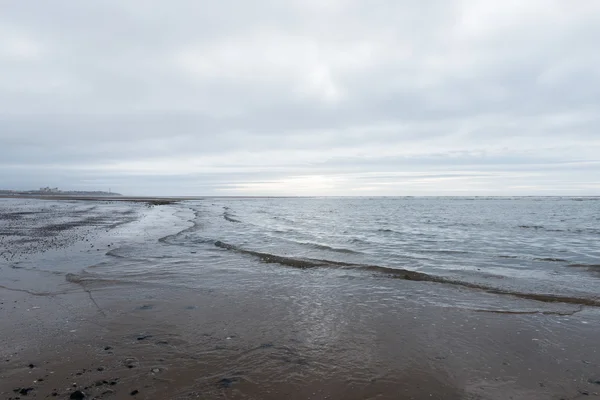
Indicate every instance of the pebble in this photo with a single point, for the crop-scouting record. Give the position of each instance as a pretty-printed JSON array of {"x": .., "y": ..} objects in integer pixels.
[
  {"x": 25, "y": 391},
  {"x": 226, "y": 383},
  {"x": 77, "y": 395}
]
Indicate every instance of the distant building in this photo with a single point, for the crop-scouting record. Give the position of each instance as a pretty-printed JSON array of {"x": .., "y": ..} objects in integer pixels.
[{"x": 48, "y": 190}]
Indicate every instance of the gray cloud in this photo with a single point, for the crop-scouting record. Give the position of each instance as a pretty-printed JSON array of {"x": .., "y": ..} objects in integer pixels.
[{"x": 301, "y": 97}]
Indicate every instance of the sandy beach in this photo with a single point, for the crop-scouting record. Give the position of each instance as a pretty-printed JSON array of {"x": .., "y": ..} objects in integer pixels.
[{"x": 66, "y": 331}]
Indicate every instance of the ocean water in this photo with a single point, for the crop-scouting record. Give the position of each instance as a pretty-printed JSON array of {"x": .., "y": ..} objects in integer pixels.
[{"x": 520, "y": 247}]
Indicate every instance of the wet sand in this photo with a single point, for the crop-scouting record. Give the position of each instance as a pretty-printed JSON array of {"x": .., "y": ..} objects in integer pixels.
[{"x": 314, "y": 334}]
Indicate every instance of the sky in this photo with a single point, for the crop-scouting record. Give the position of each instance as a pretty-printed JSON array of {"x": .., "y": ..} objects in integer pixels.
[{"x": 301, "y": 97}]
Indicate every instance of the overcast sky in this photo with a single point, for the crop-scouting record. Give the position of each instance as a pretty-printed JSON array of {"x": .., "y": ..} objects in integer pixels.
[{"x": 306, "y": 97}]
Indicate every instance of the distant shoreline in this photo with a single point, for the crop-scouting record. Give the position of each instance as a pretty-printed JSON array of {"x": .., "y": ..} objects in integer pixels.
[
  {"x": 184, "y": 198},
  {"x": 137, "y": 199}
]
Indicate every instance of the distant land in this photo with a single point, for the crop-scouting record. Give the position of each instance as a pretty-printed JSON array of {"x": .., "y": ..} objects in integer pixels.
[{"x": 48, "y": 191}]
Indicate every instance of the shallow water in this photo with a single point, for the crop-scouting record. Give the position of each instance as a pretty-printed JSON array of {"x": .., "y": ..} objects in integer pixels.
[{"x": 522, "y": 246}]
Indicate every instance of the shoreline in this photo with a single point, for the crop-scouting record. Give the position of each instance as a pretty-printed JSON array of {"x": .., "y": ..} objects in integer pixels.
[{"x": 264, "y": 333}]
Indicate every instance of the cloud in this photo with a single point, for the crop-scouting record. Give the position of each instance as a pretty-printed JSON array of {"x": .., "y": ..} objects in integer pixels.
[{"x": 301, "y": 97}]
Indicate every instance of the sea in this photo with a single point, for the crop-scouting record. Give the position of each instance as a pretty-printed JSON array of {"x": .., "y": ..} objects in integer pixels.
[
  {"x": 517, "y": 246},
  {"x": 541, "y": 248}
]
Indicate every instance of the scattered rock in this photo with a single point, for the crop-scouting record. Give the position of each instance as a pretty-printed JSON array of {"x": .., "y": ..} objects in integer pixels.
[
  {"x": 31, "y": 366},
  {"x": 77, "y": 395},
  {"x": 595, "y": 381},
  {"x": 146, "y": 307},
  {"x": 144, "y": 337},
  {"x": 100, "y": 369},
  {"x": 108, "y": 348},
  {"x": 225, "y": 383},
  {"x": 25, "y": 391},
  {"x": 134, "y": 392},
  {"x": 155, "y": 370}
]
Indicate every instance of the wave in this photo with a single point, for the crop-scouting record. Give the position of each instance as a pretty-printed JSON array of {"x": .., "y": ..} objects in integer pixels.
[
  {"x": 399, "y": 273},
  {"x": 194, "y": 227},
  {"x": 545, "y": 259},
  {"x": 329, "y": 248},
  {"x": 591, "y": 266},
  {"x": 592, "y": 231},
  {"x": 449, "y": 252},
  {"x": 515, "y": 312},
  {"x": 387, "y": 230},
  {"x": 229, "y": 218}
]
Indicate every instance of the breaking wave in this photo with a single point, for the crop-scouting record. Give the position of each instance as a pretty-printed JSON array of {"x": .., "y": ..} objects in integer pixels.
[{"x": 399, "y": 273}]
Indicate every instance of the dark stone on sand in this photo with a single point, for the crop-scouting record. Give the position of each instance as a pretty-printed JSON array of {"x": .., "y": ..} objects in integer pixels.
[
  {"x": 595, "y": 381},
  {"x": 108, "y": 348},
  {"x": 31, "y": 366},
  {"x": 77, "y": 395},
  {"x": 25, "y": 391},
  {"x": 113, "y": 383},
  {"x": 131, "y": 362},
  {"x": 54, "y": 394},
  {"x": 226, "y": 383},
  {"x": 134, "y": 392},
  {"x": 144, "y": 337},
  {"x": 100, "y": 369}
]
